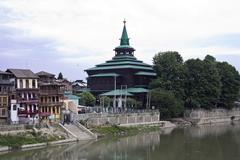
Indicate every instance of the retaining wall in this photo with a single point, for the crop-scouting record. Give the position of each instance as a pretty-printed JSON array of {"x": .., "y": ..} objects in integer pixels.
[
  {"x": 118, "y": 119},
  {"x": 202, "y": 116}
]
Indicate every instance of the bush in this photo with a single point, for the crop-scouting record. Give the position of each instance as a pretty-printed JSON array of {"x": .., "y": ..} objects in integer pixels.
[{"x": 87, "y": 99}]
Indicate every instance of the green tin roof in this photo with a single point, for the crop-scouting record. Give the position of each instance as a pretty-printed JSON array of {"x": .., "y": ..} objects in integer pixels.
[
  {"x": 122, "y": 63},
  {"x": 120, "y": 67},
  {"x": 71, "y": 96},
  {"x": 128, "y": 92},
  {"x": 137, "y": 90},
  {"x": 142, "y": 73},
  {"x": 117, "y": 92},
  {"x": 105, "y": 75}
]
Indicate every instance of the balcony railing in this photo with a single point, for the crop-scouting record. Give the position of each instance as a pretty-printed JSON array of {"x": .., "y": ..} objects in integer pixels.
[
  {"x": 51, "y": 92},
  {"x": 25, "y": 100},
  {"x": 50, "y": 103},
  {"x": 24, "y": 113}
]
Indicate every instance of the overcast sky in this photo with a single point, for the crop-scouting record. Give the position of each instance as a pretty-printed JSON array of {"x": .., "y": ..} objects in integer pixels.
[{"x": 73, "y": 35}]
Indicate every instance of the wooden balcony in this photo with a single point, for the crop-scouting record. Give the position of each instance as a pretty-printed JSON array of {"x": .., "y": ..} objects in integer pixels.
[
  {"x": 25, "y": 113},
  {"x": 51, "y": 92},
  {"x": 24, "y": 100},
  {"x": 50, "y": 103}
]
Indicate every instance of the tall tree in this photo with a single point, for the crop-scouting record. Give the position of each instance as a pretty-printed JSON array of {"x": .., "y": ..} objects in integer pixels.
[
  {"x": 202, "y": 83},
  {"x": 60, "y": 76},
  {"x": 230, "y": 80},
  {"x": 170, "y": 72}
]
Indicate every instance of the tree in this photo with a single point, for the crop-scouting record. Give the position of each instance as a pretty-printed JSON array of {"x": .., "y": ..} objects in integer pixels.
[
  {"x": 105, "y": 101},
  {"x": 202, "y": 84},
  {"x": 87, "y": 99},
  {"x": 60, "y": 76},
  {"x": 230, "y": 80},
  {"x": 168, "y": 105},
  {"x": 170, "y": 72},
  {"x": 132, "y": 103}
]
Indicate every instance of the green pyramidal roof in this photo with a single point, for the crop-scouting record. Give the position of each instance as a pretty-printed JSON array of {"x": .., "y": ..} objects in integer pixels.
[{"x": 124, "y": 39}]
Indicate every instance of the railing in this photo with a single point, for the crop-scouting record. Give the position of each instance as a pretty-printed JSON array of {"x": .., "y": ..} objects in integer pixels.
[
  {"x": 51, "y": 103},
  {"x": 24, "y": 113},
  {"x": 6, "y": 82},
  {"x": 51, "y": 92},
  {"x": 25, "y": 100}
]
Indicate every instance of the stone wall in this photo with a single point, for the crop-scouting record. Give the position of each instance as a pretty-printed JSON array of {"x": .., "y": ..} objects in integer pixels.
[
  {"x": 202, "y": 116},
  {"x": 118, "y": 119}
]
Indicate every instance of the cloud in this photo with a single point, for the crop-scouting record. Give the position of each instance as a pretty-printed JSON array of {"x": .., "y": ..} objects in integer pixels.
[{"x": 83, "y": 33}]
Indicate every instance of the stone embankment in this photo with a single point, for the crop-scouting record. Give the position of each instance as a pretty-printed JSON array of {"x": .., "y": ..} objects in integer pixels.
[
  {"x": 201, "y": 116},
  {"x": 97, "y": 119}
]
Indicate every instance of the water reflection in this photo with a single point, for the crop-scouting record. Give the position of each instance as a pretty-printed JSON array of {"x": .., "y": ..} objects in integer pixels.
[{"x": 212, "y": 142}]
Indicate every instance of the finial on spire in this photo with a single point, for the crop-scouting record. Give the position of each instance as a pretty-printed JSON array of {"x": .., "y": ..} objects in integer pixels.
[{"x": 124, "y": 21}]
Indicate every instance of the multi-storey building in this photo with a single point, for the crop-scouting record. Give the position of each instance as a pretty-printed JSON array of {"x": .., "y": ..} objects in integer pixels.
[
  {"x": 6, "y": 87},
  {"x": 51, "y": 96},
  {"x": 25, "y": 107}
]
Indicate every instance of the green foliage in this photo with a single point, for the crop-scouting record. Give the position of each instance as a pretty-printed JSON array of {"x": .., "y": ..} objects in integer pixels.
[
  {"x": 167, "y": 103},
  {"x": 202, "y": 83},
  {"x": 132, "y": 103},
  {"x": 170, "y": 72},
  {"x": 105, "y": 101},
  {"x": 230, "y": 80},
  {"x": 60, "y": 76},
  {"x": 114, "y": 130},
  {"x": 25, "y": 138},
  {"x": 87, "y": 99},
  {"x": 194, "y": 84}
]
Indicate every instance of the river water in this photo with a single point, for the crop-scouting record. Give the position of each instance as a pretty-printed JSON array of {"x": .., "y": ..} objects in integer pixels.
[{"x": 209, "y": 142}]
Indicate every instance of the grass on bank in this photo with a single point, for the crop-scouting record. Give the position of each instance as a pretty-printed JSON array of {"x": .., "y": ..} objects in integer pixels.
[
  {"x": 114, "y": 130},
  {"x": 25, "y": 138}
]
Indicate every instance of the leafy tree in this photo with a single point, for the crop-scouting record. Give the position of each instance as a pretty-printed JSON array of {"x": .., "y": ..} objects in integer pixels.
[
  {"x": 170, "y": 72},
  {"x": 168, "y": 105},
  {"x": 230, "y": 80},
  {"x": 60, "y": 76},
  {"x": 105, "y": 101},
  {"x": 202, "y": 83},
  {"x": 131, "y": 103},
  {"x": 87, "y": 99}
]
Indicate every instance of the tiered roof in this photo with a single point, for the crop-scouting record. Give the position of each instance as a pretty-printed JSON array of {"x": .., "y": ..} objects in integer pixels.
[{"x": 123, "y": 59}]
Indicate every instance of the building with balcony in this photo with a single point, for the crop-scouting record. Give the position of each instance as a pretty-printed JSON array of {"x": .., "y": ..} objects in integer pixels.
[
  {"x": 25, "y": 97},
  {"x": 6, "y": 88},
  {"x": 51, "y": 96}
]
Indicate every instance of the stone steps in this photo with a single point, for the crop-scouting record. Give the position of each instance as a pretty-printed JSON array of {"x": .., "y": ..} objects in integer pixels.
[{"x": 77, "y": 132}]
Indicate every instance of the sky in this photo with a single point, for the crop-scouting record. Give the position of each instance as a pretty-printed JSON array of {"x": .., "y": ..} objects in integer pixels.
[{"x": 70, "y": 36}]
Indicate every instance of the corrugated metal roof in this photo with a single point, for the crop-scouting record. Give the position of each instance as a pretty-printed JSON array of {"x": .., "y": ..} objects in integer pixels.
[
  {"x": 123, "y": 63},
  {"x": 128, "y": 92},
  {"x": 71, "y": 96},
  {"x": 117, "y": 92},
  {"x": 43, "y": 73},
  {"x": 137, "y": 90},
  {"x": 141, "y": 73},
  {"x": 121, "y": 67},
  {"x": 105, "y": 75},
  {"x": 22, "y": 73}
]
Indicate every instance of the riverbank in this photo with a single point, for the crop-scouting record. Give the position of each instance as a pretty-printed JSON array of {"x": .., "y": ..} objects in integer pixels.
[
  {"x": 15, "y": 141},
  {"x": 129, "y": 130}
]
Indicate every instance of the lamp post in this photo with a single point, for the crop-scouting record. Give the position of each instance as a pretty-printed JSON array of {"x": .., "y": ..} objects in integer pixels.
[{"x": 115, "y": 86}]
